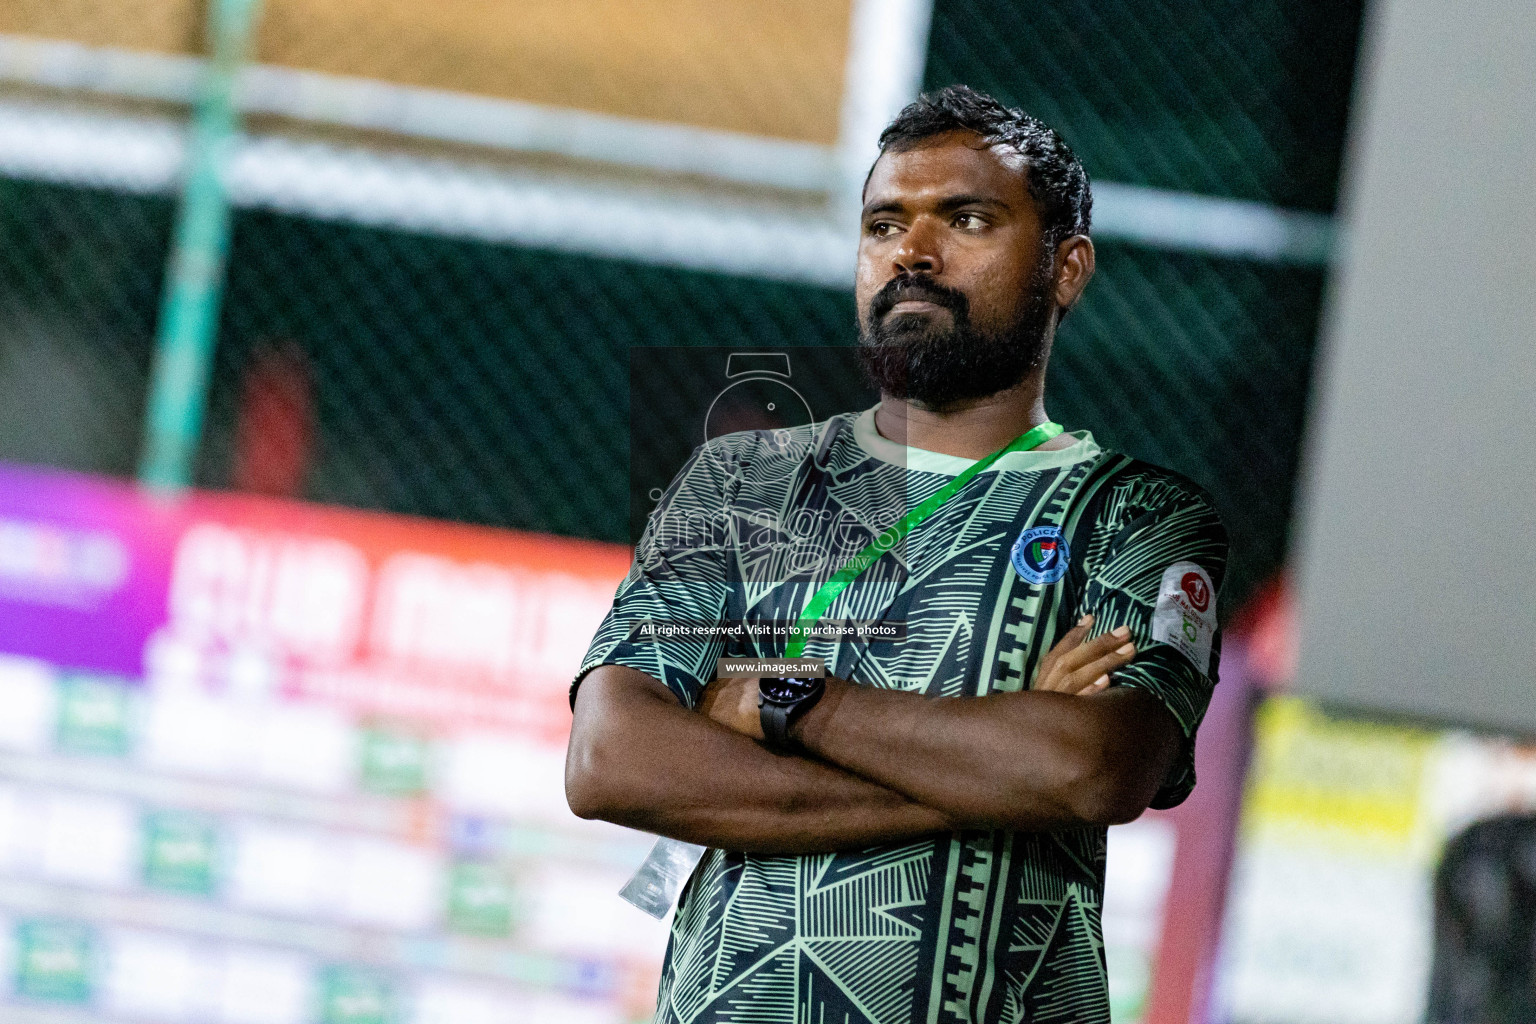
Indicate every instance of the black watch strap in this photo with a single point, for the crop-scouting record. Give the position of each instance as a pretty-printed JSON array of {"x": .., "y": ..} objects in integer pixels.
[
  {"x": 775, "y": 719},
  {"x": 777, "y": 716}
]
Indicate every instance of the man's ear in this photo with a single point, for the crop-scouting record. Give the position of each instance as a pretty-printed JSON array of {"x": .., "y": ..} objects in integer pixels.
[{"x": 1074, "y": 266}]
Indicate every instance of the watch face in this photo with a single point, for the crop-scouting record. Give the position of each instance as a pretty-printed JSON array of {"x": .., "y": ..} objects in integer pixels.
[{"x": 786, "y": 691}]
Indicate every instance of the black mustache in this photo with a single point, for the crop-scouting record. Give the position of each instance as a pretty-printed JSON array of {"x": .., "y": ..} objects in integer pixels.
[{"x": 916, "y": 289}]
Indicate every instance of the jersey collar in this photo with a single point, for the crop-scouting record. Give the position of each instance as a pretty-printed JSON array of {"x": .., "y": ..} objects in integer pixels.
[{"x": 923, "y": 461}]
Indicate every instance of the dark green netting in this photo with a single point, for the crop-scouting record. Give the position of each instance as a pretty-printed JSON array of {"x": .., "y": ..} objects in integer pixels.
[
  {"x": 80, "y": 275},
  {"x": 1238, "y": 98},
  {"x": 477, "y": 382}
]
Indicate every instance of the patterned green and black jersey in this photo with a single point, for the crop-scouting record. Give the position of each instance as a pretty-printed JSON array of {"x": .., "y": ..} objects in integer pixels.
[{"x": 970, "y": 926}]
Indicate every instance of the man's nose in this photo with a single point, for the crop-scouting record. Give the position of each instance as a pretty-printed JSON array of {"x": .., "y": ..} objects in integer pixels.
[{"x": 919, "y": 251}]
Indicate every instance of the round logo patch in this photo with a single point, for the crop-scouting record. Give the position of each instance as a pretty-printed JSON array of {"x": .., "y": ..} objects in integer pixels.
[
  {"x": 1040, "y": 554},
  {"x": 1197, "y": 590}
]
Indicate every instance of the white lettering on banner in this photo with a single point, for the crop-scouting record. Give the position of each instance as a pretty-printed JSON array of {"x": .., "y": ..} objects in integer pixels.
[
  {"x": 570, "y": 611},
  {"x": 300, "y": 596},
  {"x": 1185, "y": 615},
  {"x": 48, "y": 562},
  {"x": 306, "y": 599},
  {"x": 433, "y": 612}
]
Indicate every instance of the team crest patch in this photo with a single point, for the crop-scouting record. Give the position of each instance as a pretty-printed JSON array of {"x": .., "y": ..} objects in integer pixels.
[{"x": 1040, "y": 555}]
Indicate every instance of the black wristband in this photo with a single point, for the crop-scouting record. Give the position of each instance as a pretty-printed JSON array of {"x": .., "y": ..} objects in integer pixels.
[
  {"x": 780, "y": 702},
  {"x": 775, "y": 719}
]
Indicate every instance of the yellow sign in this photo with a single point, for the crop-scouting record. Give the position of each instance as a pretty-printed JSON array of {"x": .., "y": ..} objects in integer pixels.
[{"x": 1321, "y": 781}]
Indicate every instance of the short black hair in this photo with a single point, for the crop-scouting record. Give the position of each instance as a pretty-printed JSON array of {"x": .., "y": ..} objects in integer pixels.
[{"x": 1056, "y": 179}]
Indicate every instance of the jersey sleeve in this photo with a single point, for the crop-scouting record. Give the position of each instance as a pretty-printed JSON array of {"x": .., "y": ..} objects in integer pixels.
[
  {"x": 1159, "y": 577},
  {"x": 678, "y": 577}
]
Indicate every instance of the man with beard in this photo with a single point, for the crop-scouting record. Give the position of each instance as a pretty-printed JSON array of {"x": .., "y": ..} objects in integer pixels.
[{"x": 919, "y": 836}]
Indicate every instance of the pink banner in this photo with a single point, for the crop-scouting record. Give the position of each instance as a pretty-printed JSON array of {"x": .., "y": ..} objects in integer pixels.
[{"x": 383, "y": 614}]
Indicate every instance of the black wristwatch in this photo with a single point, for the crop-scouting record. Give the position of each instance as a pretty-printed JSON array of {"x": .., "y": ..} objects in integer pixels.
[{"x": 780, "y": 702}]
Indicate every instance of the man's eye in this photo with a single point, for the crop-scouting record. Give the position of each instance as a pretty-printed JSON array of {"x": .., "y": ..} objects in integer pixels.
[
  {"x": 882, "y": 229},
  {"x": 969, "y": 222}
]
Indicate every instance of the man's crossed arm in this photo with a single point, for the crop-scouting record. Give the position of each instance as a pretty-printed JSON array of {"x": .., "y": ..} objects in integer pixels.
[{"x": 882, "y": 765}]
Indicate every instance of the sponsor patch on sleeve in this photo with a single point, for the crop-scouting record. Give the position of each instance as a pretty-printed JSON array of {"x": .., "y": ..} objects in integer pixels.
[{"x": 1185, "y": 615}]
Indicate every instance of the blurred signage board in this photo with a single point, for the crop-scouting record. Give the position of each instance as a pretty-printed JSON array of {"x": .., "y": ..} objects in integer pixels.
[
  {"x": 265, "y": 761},
  {"x": 758, "y": 67},
  {"x": 1330, "y": 912}
]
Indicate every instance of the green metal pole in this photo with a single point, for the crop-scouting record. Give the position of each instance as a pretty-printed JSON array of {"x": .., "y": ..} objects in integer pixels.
[{"x": 194, "y": 279}]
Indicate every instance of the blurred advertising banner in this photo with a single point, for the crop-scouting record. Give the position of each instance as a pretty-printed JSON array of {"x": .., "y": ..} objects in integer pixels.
[
  {"x": 265, "y": 761},
  {"x": 1331, "y": 910},
  {"x": 436, "y": 622}
]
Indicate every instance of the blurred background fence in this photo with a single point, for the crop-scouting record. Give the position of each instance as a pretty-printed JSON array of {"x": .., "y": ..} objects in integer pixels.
[{"x": 452, "y": 221}]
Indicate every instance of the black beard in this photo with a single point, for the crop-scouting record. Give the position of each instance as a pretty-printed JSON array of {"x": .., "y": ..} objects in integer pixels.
[{"x": 909, "y": 356}]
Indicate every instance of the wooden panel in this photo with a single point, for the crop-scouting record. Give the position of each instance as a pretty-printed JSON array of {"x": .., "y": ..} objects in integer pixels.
[
  {"x": 765, "y": 67},
  {"x": 771, "y": 67},
  {"x": 168, "y": 26}
]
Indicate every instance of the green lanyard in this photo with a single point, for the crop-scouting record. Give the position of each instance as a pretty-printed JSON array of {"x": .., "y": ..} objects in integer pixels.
[{"x": 823, "y": 598}]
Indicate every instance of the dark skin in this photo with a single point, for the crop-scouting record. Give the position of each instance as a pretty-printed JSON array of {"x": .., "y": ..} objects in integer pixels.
[{"x": 886, "y": 765}]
